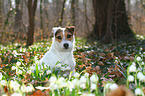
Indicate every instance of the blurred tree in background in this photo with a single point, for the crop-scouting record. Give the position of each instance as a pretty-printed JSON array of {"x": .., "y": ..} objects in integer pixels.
[
  {"x": 111, "y": 21},
  {"x": 26, "y": 21}
]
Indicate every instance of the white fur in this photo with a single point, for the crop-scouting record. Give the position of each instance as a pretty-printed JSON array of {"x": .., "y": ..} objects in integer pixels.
[{"x": 57, "y": 52}]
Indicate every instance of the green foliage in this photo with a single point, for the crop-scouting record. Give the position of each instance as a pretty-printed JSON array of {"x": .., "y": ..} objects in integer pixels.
[{"x": 99, "y": 67}]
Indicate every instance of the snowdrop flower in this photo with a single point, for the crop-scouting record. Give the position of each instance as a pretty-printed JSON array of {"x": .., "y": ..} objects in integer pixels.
[
  {"x": 86, "y": 74},
  {"x": 52, "y": 79},
  {"x": 138, "y": 59},
  {"x": 130, "y": 78},
  {"x": 94, "y": 78},
  {"x": 41, "y": 88},
  {"x": 142, "y": 63},
  {"x": 58, "y": 65},
  {"x": 113, "y": 86},
  {"x": 1, "y": 76},
  {"x": 67, "y": 68},
  {"x": 107, "y": 85},
  {"x": 18, "y": 63},
  {"x": 76, "y": 74},
  {"x": 76, "y": 82},
  {"x": 63, "y": 68},
  {"x": 16, "y": 94},
  {"x": 132, "y": 68},
  {"x": 93, "y": 86},
  {"x": 23, "y": 88},
  {"x": 138, "y": 91},
  {"x": 140, "y": 76},
  {"x": 3, "y": 82},
  {"x": 15, "y": 85},
  {"x": 133, "y": 63},
  {"x": 48, "y": 71},
  {"x": 29, "y": 88},
  {"x": 91, "y": 94},
  {"x": 83, "y": 85},
  {"x": 14, "y": 67},
  {"x": 70, "y": 85},
  {"x": 19, "y": 71},
  {"x": 83, "y": 79}
]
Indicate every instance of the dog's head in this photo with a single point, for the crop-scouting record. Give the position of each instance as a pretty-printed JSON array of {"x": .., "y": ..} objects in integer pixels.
[{"x": 64, "y": 38}]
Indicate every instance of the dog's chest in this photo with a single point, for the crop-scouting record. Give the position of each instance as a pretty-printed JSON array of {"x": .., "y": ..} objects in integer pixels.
[{"x": 64, "y": 58}]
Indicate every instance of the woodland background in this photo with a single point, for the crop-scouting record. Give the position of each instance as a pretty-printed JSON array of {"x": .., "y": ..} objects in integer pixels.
[{"x": 105, "y": 20}]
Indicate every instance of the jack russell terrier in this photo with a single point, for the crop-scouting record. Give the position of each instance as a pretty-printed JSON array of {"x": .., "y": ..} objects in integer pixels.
[{"x": 61, "y": 49}]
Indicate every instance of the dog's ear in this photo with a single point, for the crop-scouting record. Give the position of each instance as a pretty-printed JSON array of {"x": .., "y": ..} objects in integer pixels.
[
  {"x": 54, "y": 29},
  {"x": 71, "y": 29}
]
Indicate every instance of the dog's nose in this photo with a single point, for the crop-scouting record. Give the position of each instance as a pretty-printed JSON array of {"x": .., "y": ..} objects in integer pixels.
[{"x": 65, "y": 45}]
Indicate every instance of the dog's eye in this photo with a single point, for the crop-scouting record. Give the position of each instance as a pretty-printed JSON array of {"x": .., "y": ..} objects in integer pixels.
[
  {"x": 69, "y": 36},
  {"x": 59, "y": 37}
]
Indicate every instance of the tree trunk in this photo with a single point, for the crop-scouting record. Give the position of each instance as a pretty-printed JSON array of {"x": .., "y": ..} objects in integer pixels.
[
  {"x": 18, "y": 16},
  {"x": 62, "y": 12},
  {"x": 31, "y": 11},
  {"x": 73, "y": 12},
  {"x": 111, "y": 21},
  {"x": 41, "y": 18}
]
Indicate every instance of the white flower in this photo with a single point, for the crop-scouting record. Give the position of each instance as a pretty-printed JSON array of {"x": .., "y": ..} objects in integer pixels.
[
  {"x": 29, "y": 88},
  {"x": 91, "y": 94},
  {"x": 63, "y": 68},
  {"x": 19, "y": 71},
  {"x": 18, "y": 63},
  {"x": 1, "y": 76},
  {"x": 41, "y": 88},
  {"x": 132, "y": 68},
  {"x": 15, "y": 85},
  {"x": 133, "y": 63},
  {"x": 64, "y": 75},
  {"x": 23, "y": 88},
  {"x": 93, "y": 86},
  {"x": 76, "y": 82},
  {"x": 58, "y": 65},
  {"x": 130, "y": 78},
  {"x": 52, "y": 79},
  {"x": 140, "y": 76},
  {"x": 113, "y": 86},
  {"x": 83, "y": 85},
  {"x": 76, "y": 74},
  {"x": 83, "y": 79},
  {"x": 86, "y": 74},
  {"x": 107, "y": 85},
  {"x": 138, "y": 59},
  {"x": 3, "y": 82},
  {"x": 94, "y": 78},
  {"x": 48, "y": 71},
  {"x": 4, "y": 94},
  {"x": 67, "y": 68},
  {"x": 138, "y": 91},
  {"x": 14, "y": 67},
  {"x": 16, "y": 94},
  {"x": 142, "y": 63},
  {"x": 70, "y": 85}
]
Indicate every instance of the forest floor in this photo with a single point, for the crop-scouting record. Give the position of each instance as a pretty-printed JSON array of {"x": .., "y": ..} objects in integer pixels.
[{"x": 109, "y": 64}]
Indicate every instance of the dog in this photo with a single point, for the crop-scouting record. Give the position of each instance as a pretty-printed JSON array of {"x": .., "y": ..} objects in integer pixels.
[{"x": 61, "y": 49}]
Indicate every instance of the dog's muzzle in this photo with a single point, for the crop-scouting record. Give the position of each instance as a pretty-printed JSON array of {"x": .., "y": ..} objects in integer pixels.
[{"x": 66, "y": 45}]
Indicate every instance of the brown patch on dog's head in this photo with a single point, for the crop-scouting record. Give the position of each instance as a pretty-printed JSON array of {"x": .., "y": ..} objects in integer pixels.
[
  {"x": 69, "y": 32},
  {"x": 71, "y": 29},
  {"x": 59, "y": 35}
]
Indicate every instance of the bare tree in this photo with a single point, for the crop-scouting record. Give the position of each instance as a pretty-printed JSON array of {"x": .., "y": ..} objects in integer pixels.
[
  {"x": 73, "y": 12},
  {"x": 62, "y": 12},
  {"x": 111, "y": 21},
  {"x": 32, "y": 6}
]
